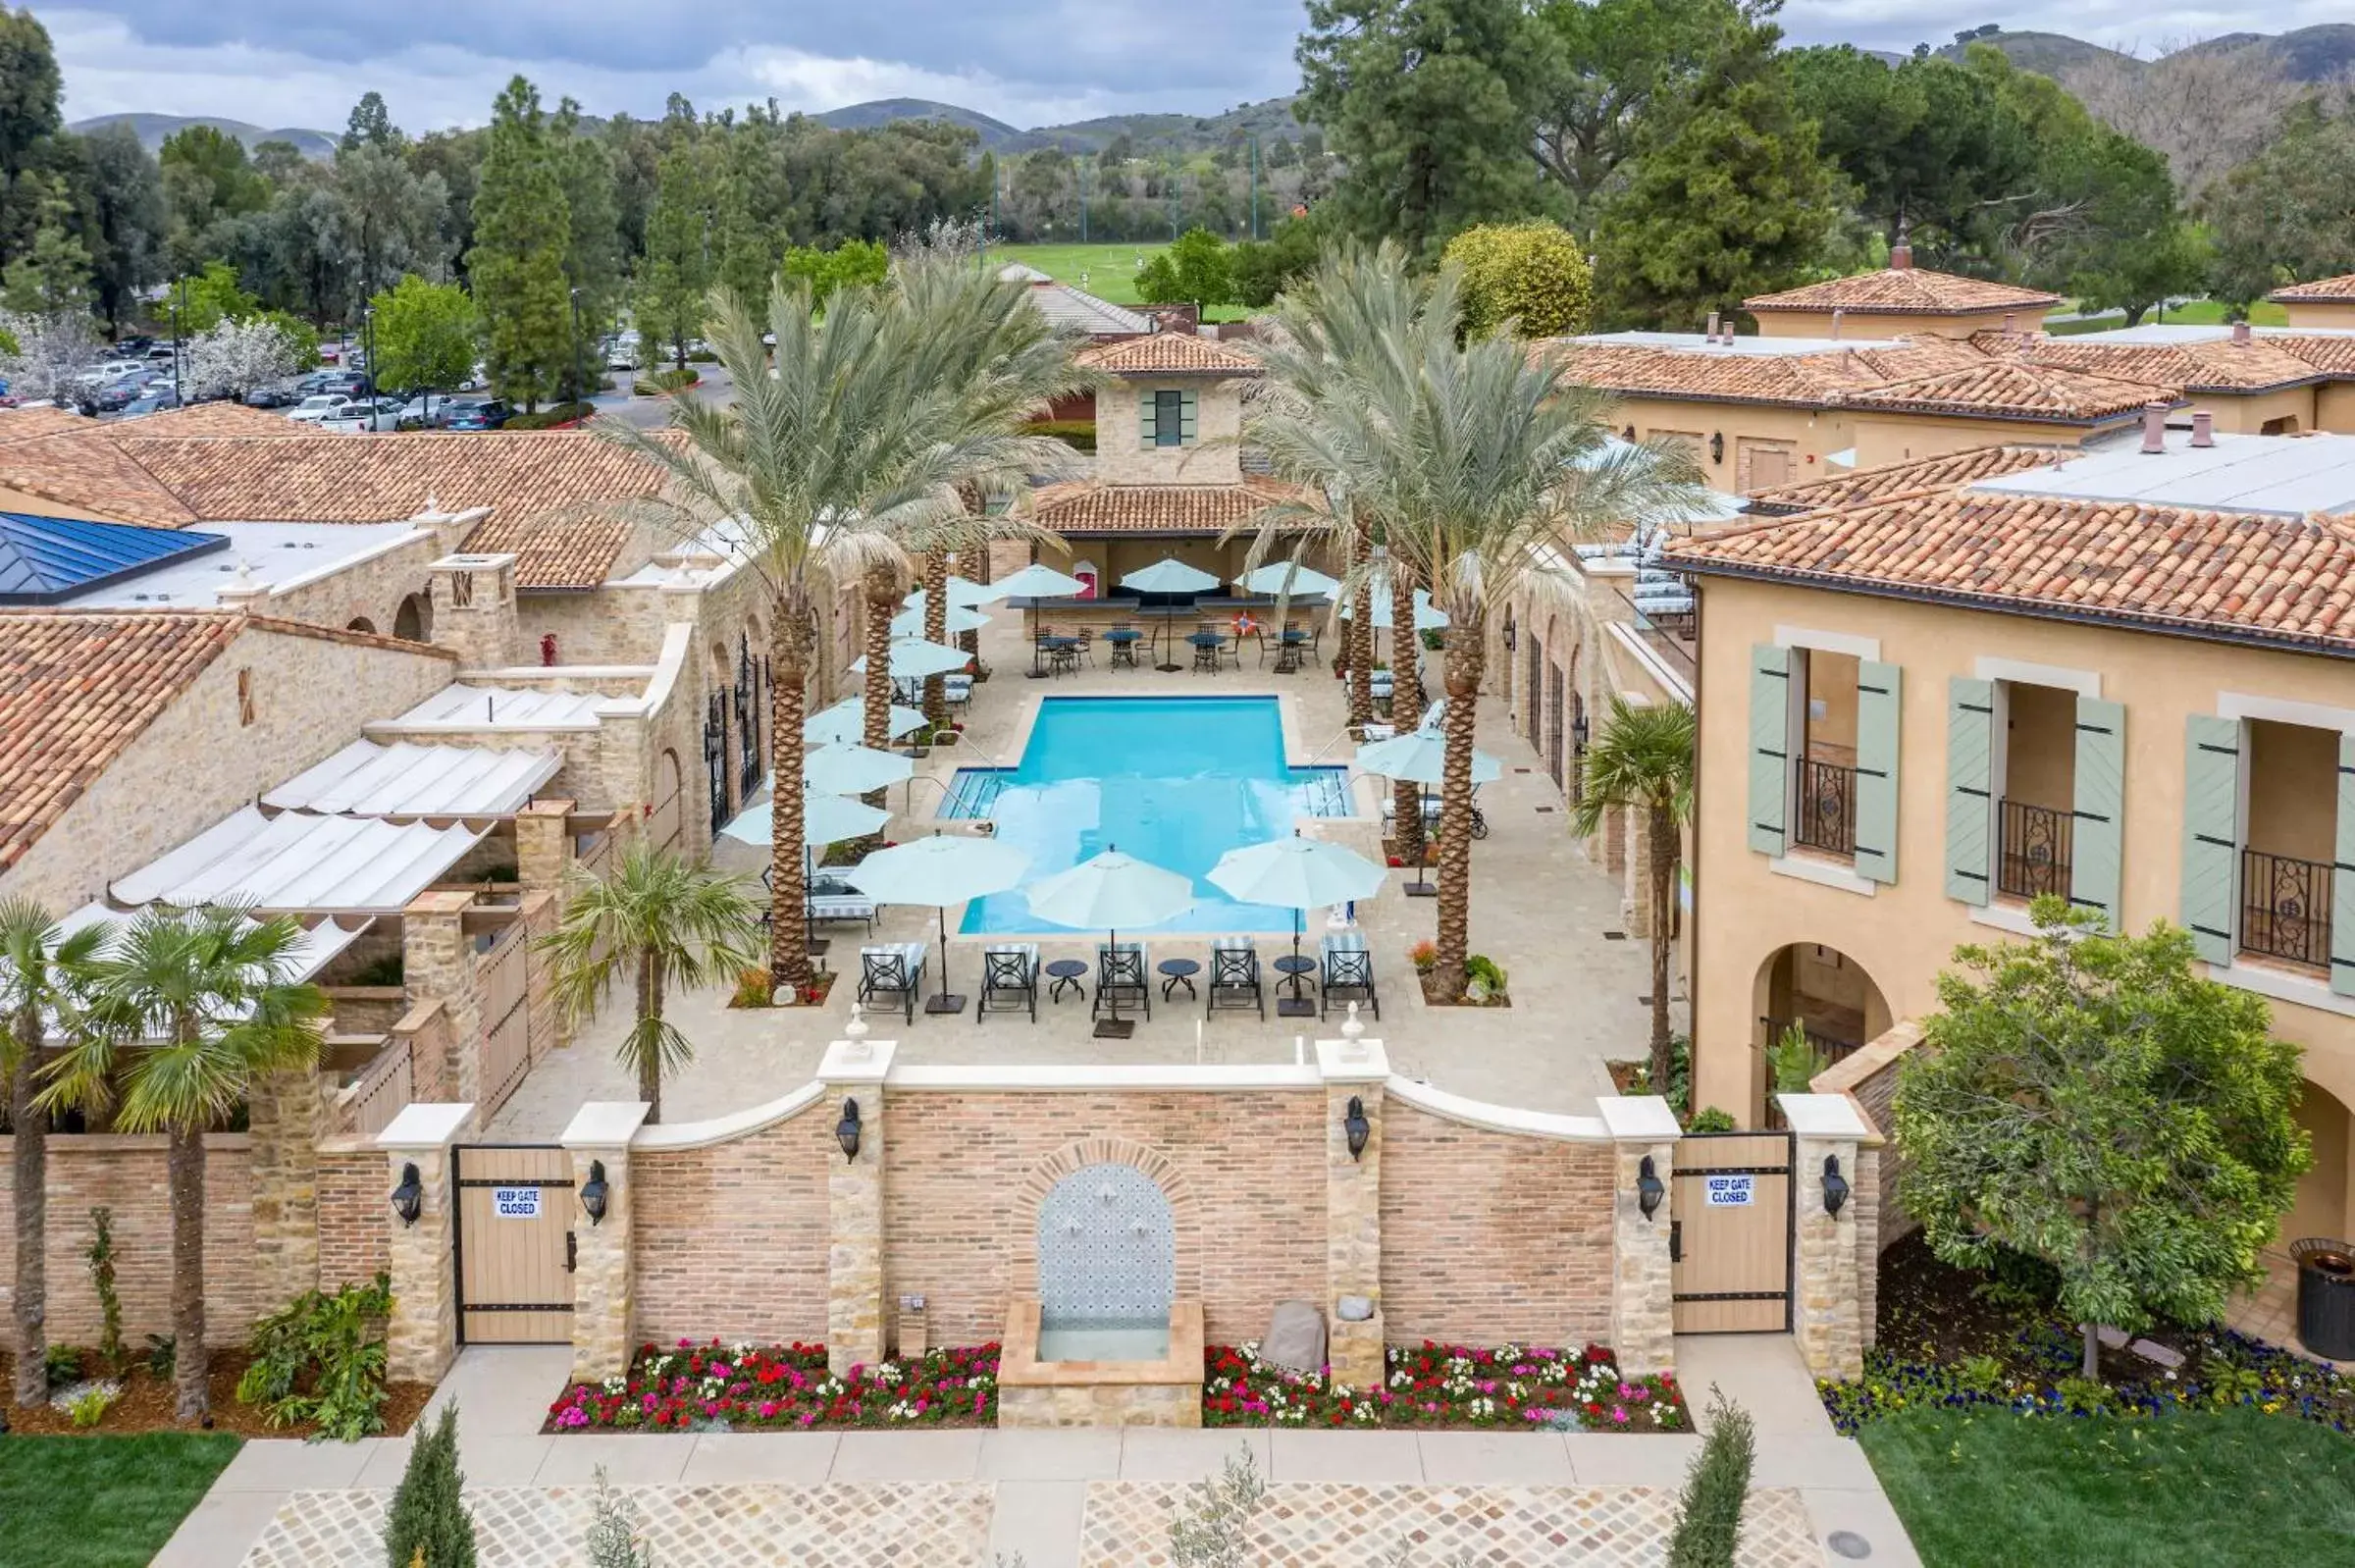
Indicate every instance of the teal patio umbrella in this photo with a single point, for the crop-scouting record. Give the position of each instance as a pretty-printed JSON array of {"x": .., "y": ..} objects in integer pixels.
[
  {"x": 1296, "y": 873},
  {"x": 1038, "y": 579},
  {"x": 848, "y": 768},
  {"x": 845, "y": 720},
  {"x": 963, "y": 595},
  {"x": 940, "y": 871},
  {"x": 1284, "y": 579},
  {"x": 1110, "y": 890},
  {"x": 911, "y": 623},
  {"x": 825, "y": 819},
  {"x": 913, "y": 658},
  {"x": 1420, "y": 757},
  {"x": 1170, "y": 575}
]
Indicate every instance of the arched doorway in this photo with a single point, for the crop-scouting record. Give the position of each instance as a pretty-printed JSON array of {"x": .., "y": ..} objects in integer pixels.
[
  {"x": 1823, "y": 991},
  {"x": 361, "y": 623},
  {"x": 2326, "y": 1202},
  {"x": 414, "y": 622}
]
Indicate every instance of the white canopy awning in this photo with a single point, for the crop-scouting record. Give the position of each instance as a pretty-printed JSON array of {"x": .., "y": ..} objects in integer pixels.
[
  {"x": 332, "y": 864},
  {"x": 406, "y": 780},
  {"x": 503, "y": 707},
  {"x": 319, "y": 945}
]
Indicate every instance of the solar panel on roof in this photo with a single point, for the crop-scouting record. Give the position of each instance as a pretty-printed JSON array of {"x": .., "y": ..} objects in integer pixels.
[{"x": 46, "y": 560}]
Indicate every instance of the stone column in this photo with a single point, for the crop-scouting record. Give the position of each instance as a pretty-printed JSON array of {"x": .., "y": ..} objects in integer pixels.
[
  {"x": 1353, "y": 1070},
  {"x": 602, "y": 1297},
  {"x": 285, "y": 1114},
  {"x": 437, "y": 959},
  {"x": 544, "y": 847},
  {"x": 422, "y": 1337},
  {"x": 1829, "y": 1305},
  {"x": 474, "y": 608},
  {"x": 856, "y": 1287},
  {"x": 1643, "y": 1279}
]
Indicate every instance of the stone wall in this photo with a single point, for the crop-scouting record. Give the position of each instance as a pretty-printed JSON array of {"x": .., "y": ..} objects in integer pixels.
[
  {"x": 370, "y": 590},
  {"x": 1868, "y": 1075},
  {"x": 730, "y": 1237}
]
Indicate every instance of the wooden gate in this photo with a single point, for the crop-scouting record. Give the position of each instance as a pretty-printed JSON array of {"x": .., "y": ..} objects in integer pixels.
[
  {"x": 503, "y": 979},
  {"x": 664, "y": 823},
  {"x": 1730, "y": 1238},
  {"x": 514, "y": 1242}
]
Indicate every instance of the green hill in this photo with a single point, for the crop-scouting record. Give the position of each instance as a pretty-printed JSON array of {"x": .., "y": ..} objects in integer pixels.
[{"x": 151, "y": 130}]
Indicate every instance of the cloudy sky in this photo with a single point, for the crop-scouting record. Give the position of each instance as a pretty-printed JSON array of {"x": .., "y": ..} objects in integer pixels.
[{"x": 286, "y": 63}]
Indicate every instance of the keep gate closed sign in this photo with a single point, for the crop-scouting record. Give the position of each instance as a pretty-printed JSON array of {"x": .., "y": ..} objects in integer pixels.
[
  {"x": 1730, "y": 1191},
  {"x": 523, "y": 1203}
]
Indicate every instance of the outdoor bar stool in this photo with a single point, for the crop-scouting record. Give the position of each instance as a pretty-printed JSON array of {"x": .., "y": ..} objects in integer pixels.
[
  {"x": 1348, "y": 969},
  {"x": 1009, "y": 980},
  {"x": 893, "y": 969},
  {"x": 1121, "y": 978},
  {"x": 1233, "y": 977}
]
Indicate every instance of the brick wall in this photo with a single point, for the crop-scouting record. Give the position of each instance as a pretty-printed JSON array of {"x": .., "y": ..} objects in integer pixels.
[
  {"x": 1870, "y": 1075},
  {"x": 1488, "y": 1238},
  {"x": 354, "y": 1213},
  {"x": 127, "y": 1174},
  {"x": 730, "y": 1239}
]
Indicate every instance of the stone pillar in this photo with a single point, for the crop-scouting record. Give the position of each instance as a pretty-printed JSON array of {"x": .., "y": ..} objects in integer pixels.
[
  {"x": 603, "y": 1299},
  {"x": 544, "y": 847},
  {"x": 422, "y": 1337},
  {"x": 1829, "y": 1305},
  {"x": 436, "y": 959},
  {"x": 1353, "y": 1070},
  {"x": 1643, "y": 1279},
  {"x": 284, "y": 1112},
  {"x": 1635, "y": 891},
  {"x": 856, "y": 1287},
  {"x": 474, "y": 608}
]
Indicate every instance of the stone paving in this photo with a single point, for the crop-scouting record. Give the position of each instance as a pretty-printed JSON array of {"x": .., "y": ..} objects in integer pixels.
[
  {"x": 1540, "y": 908},
  {"x": 2270, "y": 1311}
]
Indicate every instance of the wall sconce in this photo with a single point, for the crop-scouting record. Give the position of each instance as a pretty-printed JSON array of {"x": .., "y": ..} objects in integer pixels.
[
  {"x": 408, "y": 1199},
  {"x": 593, "y": 1193},
  {"x": 1650, "y": 1188},
  {"x": 1355, "y": 1128},
  {"x": 846, "y": 1130},
  {"x": 1835, "y": 1186},
  {"x": 1717, "y": 446},
  {"x": 1508, "y": 635}
]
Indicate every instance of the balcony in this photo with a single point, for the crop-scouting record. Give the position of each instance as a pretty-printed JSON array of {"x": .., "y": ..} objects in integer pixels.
[
  {"x": 1827, "y": 808},
  {"x": 2033, "y": 850},
  {"x": 2285, "y": 910}
]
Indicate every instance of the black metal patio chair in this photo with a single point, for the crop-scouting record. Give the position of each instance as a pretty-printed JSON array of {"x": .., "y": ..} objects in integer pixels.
[
  {"x": 1348, "y": 970},
  {"x": 893, "y": 971},
  {"x": 1009, "y": 980},
  {"x": 1234, "y": 982},
  {"x": 1121, "y": 979}
]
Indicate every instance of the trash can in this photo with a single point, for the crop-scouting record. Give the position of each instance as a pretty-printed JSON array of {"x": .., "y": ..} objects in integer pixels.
[{"x": 2325, "y": 1297}]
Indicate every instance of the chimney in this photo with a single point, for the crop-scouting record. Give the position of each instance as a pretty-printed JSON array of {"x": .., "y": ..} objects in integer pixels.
[
  {"x": 1837, "y": 313},
  {"x": 2008, "y": 327},
  {"x": 1901, "y": 249},
  {"x": 2240, "y": 334},
  {"x": 1711, "y": 333},
  {"x": 2203, "y": 428},
  {"x": 2154, "y": 427}
]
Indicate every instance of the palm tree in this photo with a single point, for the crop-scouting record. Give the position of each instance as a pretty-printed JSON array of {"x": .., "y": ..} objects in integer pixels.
[
  {"x": 39, "y": 973},
  {"x": 187, "y": 1009},
  {"x": 1643, "y": 761},
  {"x": 1406, "y": 699},
  {"x": 668, "y": 925},
  {"x": 1475, "y": 462},
  {"x": 842, "y": 439}
]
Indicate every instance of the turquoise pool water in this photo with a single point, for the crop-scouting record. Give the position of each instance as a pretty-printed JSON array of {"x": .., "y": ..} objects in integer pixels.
[{"x": 1177, "y": 781}]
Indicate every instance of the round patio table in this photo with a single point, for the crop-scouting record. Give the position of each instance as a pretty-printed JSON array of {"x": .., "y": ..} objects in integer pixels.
[
  {"x": 1175, "y": 972},
  {"x": 1067, "y": 972},
  {"x": 1294, "y": 967},
  {"x": 1124, "y": 646}
]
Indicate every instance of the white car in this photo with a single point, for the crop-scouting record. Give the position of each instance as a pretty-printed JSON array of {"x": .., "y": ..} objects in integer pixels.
[
  {"x": 314, "y": 410},
  {"x": 363, "y": 415}
]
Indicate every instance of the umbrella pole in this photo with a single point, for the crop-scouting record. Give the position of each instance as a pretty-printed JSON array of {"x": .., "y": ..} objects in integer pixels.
[
  {"x": 944, "y": 1003},
  {"x": 1115, "y": 1027},
  {"x": 1295, "y": 1006},
  {"x": 1420, "y": 887}
]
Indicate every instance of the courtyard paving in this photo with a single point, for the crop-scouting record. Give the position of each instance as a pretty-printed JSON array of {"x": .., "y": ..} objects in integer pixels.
[{"x": 1553, "y": 919}]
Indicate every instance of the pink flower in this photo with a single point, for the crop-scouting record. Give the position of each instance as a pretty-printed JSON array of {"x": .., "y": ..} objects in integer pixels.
[{"x": 1619, "y": 1415}]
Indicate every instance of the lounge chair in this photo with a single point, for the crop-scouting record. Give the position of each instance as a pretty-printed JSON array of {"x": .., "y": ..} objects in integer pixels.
[
  {"x": 957, "y": 689},
  {"x": 1431, "y": 813},
  {"x": 1009, "y": 980},
  {"x": 1233, "y": 977},
  {"x": 893, "y": 969},
  {"x": 833, "y": 901},
  {"x": 1348, "y": 968},
  {"x": 1121, "y": 978}
]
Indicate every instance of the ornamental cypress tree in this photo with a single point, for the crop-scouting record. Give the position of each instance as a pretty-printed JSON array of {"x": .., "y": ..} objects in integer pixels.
[
  {"x": 428, "y": 1515},
  {"x": 676, "y": 284},
  {"x": 592, "y": 242},
  {"x": 522, "y": 234},
  {"x": 1708, "y": 1511}
]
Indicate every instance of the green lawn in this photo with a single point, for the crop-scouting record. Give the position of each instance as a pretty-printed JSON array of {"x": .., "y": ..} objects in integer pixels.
[
  {"x": 101, "y": 1503},
  {"x": 2190, "y": 1491},
  {"x": 1108, "y": 272},
  {"x": 2199, "y": 313}
]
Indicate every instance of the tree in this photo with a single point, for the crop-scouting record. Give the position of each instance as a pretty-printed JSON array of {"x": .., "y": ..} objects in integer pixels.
[
  {"x": 211, "y": 297},
  {"x": 231, "y": 359},
  {"x": 1729, "y": 199},
  {"x": 676, "y": 287},
  {"x": 1531, "y": 275},
  {"x": 127, "y": 190},
  {"x": 2283, "y": 216},
  {"x": 856, "y": 263},
  {"x": 668, "y": 925},
  {"x": 54, "y": 274},
  {"x": 428, "y": 1521},
  {"x": 1193, "y": 270},
  {"x": 51, "y": 354},
  {"x": 41, "y": 969},
  {"x": 2083, "y": 1099},
  {"x": 1603, "y": 66},
  {"x": 189, "y": 1009},
  {"x": 1643, "y": 761},
  {"x": 207, "y": 178},
  {"x": 425, "y": 336},
  {"x": 392, "y": 214},
  {"x": 370, "y": 125},
  {"x": 30, "y": 118},
  {"x": 2205, "y": 110},
  {"x": 592, "y": 245},
  {"x": 1265, "y": 268},
  {"x": 522, "y": 234}
]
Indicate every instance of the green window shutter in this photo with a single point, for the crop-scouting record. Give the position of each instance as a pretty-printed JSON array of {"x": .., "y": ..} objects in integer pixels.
[
  {"x": 1146, "y": 431},
  {"x": 1770, "y": 747},
  {"x": 2343, "y": 876},
  {"x": 1970, "y": 789},
  {"x": 1186, "y": 418},
  {"x": 2097, "y": 840},
  {"x": 2211, "y": 833},
  {"x": 1879, "y": 696}
]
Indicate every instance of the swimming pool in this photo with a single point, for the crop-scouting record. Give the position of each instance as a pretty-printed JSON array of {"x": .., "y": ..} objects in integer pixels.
[{"x": 1177, "y": 781}]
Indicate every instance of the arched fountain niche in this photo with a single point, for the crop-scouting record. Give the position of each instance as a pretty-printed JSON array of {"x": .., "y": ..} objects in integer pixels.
[{"x": 1107, "y": 1267}]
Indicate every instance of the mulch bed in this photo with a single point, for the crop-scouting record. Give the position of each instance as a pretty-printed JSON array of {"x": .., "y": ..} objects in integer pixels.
[
  {"x": 147, "y": 1404},
  {"x": 1431, "y": 998}
]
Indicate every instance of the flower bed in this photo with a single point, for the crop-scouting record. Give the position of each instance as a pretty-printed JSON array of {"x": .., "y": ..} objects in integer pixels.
[
  {"x": 721, "y": 1388},
  {"x": 1511, "y": 1386}
]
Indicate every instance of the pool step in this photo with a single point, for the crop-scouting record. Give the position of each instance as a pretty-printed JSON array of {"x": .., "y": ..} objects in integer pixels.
[
  {"x": 974, "y": 792},
  {"x": 1321, "y": 791}
]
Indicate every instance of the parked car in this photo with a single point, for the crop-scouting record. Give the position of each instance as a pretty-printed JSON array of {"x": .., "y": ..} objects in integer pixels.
[
  {"x": 311, "y": 410},
  {"x": 122, "y": 392},
  {"x": 363, "y": 414},
  {"x": 425, "y": 410},
  {"x": 273, "y": 398},
  {"x": 621, "y": 352},
  {"x": 488, "y": 414},
  {"x": 147, "y": 403}
]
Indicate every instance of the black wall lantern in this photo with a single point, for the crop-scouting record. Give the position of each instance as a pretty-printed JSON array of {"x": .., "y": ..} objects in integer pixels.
[
  {"x": 1717, "y": 446},
  {"x": 1508, "y": 634},
  {"x": 408, "y": 1199},
  {"x": 1835, "y": 1186},
  {"x": 1650, "y": 1189},
  {"x": 846, "y": 1130},
  {"x": 1355, "y": 1128},
  {"x": 595, "y": 1192}
]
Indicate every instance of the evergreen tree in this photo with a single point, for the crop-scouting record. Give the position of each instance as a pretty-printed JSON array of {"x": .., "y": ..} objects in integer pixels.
[
  {"x": 593, "y": 244},
  {"x": 370, "y": 125},
  {"x": 1729, "y": 197},
  {"x": 31, "y": 116},
  {"x": 54, "y": 274},
  {"x": 676, "y": 284},
  {"x": 428, "y": 1517},
  {"x": 522, "y": 232},
  {"x": 1708, "y": 1511}
]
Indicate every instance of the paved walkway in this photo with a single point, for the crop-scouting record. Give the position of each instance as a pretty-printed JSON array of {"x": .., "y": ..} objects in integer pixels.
[{"x": 1097, "y": 1499}]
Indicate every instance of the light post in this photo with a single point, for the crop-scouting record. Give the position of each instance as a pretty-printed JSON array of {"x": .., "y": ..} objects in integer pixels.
[
  {"x": 376, "y": 408},
  {"x": 580, "y": 386}
]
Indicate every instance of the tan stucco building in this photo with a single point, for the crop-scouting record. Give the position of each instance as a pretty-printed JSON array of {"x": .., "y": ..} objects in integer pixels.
[
  {"x": 2328, "y": 302},
  {"x": 1899, "y": 301}
]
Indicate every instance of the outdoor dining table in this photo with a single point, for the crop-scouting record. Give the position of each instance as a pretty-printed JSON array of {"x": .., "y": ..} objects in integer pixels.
[
  {"x": 1066, "y": 972},
  {"x": 1059, "y": 652},
  {"x": 1124, "y": 646},
  {"x": 1288, "y": 651},
  {"x": 1206, "y": 649}
]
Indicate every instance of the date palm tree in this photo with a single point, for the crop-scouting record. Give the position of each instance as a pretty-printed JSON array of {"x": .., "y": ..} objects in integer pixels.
[
  {"x": 1473, "y": 458},
  {"x": 1643, "y": 761},
  {"x": 187, "y": 1009},
  {"x": 666, "y": 925},
  {"x": 1406, "y": 701},
  {"x": 40, "y": 969}
]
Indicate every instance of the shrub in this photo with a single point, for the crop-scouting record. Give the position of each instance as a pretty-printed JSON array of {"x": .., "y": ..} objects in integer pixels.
[
  {"x": 670, "y": 379},
  {"x": 755, "y": 987},
  {"x": 1533, "y": 275},
  {"x": 62, "y": 1364},
  {"x": 1212, "y": 1528},
  {"x": 386, "y": 970},
  {"x": 320, "y": 1359},
  {"x": 613, "y": 1530},
  {"x": 1793, "y": 1061},
  {"x": 1709, "y": 1118},
  {"x": 427, "y": 1518},
  {"x": 701, "y": 356},
  {"x": 101, "y": 1256},
  {"x": 163, "y": 1355},
  {"x": 1078, "y": 434},
  {"x": 1424, "y": 956},
  {"x": 553, "y": 414},
  {"x": 1708, "y": 1513},
  {"x": 1482, "y": 978},
  {"x": 89, "y": 1407}
]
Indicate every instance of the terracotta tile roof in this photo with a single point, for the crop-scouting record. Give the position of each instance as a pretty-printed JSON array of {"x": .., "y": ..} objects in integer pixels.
[
  {"x": 569, "y": 548},
  {"x": 2221, "y": 365},
  {"x": 91, "y": 472},
  {"x": 1904, "y": 479},
  {"x": 387, "y": 477},
  {"x": 1083, "y": 508},
  {"x": 1168, "y": 353},
  {"x": 223, "y": 419},
  {"x": 1813, "y": 380},
  {"x": 2011, "y": 390},
  {"x": 2329, "y": 354},
  {"x": 1906, "y": 291},
  {"x": 2339, "y": 291},
  {"x": 30, "y": 424},
  {"x": 2287, "y": 581}
]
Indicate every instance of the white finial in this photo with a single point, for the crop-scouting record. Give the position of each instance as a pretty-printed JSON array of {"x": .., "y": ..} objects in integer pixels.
[
  {"x": 245, "y": 572},
  {"x": 433, "y": 507},
  {"x": 855, "y": 1030},
  {"x": 1351, "y": 1027}
]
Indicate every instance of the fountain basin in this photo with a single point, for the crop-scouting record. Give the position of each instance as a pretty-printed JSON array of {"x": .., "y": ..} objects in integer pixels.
[{"x": 1096, "y": 1373}]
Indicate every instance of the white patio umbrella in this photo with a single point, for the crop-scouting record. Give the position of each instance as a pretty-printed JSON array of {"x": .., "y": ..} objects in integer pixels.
[
  {"x": 845, "y": 720},
  {"x": 913, "y": 658},
  {"x": 1298, "y": 873},
  {"x": 1170, "y": 575},
  {"x": 1110, "y": 890},
  {"x": 825, "y": 819},
  {"x": 848, "y": 768},
  {"x": 940, "y": 871},
  {"x": 1420, "y": 757},
  {"x": 1038, "y": 579},
  {"x": 1428, "y": 616},
  {"x": 1282, "y": 577},
  {"x": 964, "y": 594},
  {"x": 911, "y": 623}
]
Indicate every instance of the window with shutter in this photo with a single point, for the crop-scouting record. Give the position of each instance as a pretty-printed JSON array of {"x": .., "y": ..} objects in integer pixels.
[
  {"x": 1186, "y": 412},
  {"x": 2343, "y": 876},
  {"x": 2211, "y": 833},
  {"x": 1148, "y": 425},
  {"x": 1879, "y": 696},
  {"x": 1970, "y": 788},
  {"x": 1173, "y": 418},
  {"x": 1770, "y": 747},
  {"x": 2097, "y": 845}
]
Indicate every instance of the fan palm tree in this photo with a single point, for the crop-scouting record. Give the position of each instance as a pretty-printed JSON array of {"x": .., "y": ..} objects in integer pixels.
[
  {"x": 849, "y": 435},
  {"x": 187, "y": 1009},
  {"x": 1643, "y": 761},
  {"x": 665, "y": 924},
  {"x": 39, "y": 973},
  {"x": 1474, "y": 461}
]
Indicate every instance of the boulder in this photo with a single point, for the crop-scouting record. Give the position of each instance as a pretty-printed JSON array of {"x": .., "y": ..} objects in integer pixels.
[{"x": 1295, "y": 1338}]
